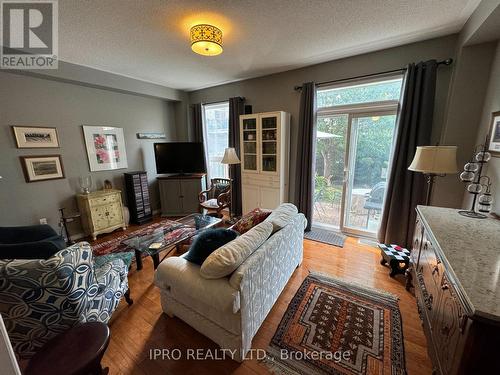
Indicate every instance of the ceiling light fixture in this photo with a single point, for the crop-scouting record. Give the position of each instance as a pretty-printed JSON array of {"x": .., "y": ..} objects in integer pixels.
[{"x": 206, "y": 40}]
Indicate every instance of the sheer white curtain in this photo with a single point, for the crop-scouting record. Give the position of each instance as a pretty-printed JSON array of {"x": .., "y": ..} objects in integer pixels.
[{"x": 216, "y": 137}]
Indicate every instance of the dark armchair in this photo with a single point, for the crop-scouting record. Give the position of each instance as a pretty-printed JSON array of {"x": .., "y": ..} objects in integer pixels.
[
  {"x": 29, "y": 242},
  {"x": 218, "y": 197}
]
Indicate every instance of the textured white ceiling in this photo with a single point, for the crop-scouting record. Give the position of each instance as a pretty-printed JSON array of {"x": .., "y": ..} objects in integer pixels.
[{"x": 149, "y": 40}]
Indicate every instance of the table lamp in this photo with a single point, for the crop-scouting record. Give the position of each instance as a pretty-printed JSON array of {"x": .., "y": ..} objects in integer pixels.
[
  {"x": 434, "y": 161},
  {"x": 230, "y": 158}
]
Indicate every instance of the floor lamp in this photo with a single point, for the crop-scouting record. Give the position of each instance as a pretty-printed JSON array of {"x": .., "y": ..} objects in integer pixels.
[
  {"x": 434, "y": 161},
  {"x": 230, "y": 158}
]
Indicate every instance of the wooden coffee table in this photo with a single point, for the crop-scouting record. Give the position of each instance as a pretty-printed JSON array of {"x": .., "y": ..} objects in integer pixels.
[
  {"x": 169, "y": 237},
  {"x": 77, "y": 351}
]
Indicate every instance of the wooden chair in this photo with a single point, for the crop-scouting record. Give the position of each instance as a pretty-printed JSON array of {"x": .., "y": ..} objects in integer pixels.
[{"x": 218, "y": 197}]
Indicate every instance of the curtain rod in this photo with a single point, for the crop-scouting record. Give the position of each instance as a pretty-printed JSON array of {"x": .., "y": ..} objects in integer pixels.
[
  {"x": 221, "y": 101},
  {"x": 444, "y": 62}
]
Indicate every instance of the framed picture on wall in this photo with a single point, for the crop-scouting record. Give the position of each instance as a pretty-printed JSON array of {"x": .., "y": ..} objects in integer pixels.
[
  {"x": 494, "y": 136},
  {"x": 35, "y": 137},
  {"x": 151, "y": 136},
  {"x": 42, "y": 168},
  {"x": 105, "y": 148}
]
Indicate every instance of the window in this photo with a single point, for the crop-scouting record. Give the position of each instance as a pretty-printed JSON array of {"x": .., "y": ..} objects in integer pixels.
[
  {"x": 354, "y": 140},
  {"x": 378, "y": 91},
  {"x": 216, "y": 123}
]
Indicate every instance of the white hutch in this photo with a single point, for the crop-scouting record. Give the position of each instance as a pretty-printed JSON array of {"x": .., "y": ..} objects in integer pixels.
[{"x": 265, "y": 148}]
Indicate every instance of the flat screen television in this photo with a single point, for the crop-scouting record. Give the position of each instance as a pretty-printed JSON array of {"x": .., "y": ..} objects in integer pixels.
[{"x": 179, "y": 157}]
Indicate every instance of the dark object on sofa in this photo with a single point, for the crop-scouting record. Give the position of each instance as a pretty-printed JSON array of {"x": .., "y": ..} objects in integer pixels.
[
  {"x": 29, "y": 242},
  {"x": 207, "y": 242}
]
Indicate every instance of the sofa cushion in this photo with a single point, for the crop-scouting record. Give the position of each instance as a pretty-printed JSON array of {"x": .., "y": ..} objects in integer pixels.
[
  {"x": 281, "y": 216},
  {"x": 211, "y": 203},
  {"x": 183, "y": 281},
  {"x": 251, "y": 219},
  {"x": 207, "y": 242},
  {"x": 223, "y": 261}
]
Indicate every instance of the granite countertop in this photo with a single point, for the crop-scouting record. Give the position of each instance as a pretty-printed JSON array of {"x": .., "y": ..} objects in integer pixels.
[{"x": 471, "y": 248}]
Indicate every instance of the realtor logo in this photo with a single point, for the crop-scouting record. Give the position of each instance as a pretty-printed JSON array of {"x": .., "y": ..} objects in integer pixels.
[{"x": 29, "y": 34}]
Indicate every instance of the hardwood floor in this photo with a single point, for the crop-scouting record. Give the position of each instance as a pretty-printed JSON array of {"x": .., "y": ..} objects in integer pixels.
[{"x": 137, "y": 329}]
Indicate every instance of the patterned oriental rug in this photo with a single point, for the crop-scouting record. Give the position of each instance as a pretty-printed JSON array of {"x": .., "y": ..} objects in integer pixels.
[
  {"x": 334, "y": 327},
  {"x": 116, "y": 246}
]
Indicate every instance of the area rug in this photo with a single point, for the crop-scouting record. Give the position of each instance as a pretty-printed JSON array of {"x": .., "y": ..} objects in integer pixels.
[
  {"x": 115, "y": 245},
  {"x": 334, "y": 327},
  {"x": 326, "y": 236}
]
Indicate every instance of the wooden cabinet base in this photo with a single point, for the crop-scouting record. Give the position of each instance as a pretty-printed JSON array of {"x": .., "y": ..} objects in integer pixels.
[
  {"x": 101, "y": 212},
  {"x": 459, "y": 341},
  {"x": 179, "y": 194}
]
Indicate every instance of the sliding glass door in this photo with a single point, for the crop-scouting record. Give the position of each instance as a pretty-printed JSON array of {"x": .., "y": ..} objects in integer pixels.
[
  {"x": 353, "y": 151},
  {"x": 370, "y": 145},
  {"x": 330, "y": 160}
]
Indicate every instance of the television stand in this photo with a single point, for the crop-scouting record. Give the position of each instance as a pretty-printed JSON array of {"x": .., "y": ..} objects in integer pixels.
[
  {"x": 179, "y": 193},
  {"x": 182, "y": 175}
]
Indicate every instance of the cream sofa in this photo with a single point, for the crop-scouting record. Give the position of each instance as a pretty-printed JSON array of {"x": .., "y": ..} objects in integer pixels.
[{"x": 231, "y": 309}]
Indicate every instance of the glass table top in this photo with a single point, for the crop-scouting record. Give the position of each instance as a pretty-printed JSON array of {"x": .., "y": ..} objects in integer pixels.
[{"x": 170, "y": 234}]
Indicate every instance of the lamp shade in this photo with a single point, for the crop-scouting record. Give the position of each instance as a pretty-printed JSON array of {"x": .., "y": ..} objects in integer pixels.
[
  {"x": 435, "y": 159},
  {"x": 206, "y": 40},
  {"x": 230, "y": 156}
]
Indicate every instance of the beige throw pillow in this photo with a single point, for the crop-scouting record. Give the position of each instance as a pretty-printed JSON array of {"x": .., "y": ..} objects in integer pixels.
[
  {"x": 226, "y": 259},
  {"x": 281, "y": 216}
]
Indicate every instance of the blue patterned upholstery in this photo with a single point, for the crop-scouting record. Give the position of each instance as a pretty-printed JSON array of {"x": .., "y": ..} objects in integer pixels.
[{"x": 40, "y": 298}]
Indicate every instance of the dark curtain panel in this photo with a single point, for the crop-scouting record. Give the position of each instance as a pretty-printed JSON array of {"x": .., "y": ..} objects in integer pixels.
[
  {"x": 304, "y": 174},
  {"x": 199, "y": 133},
  {"x": 198, "y": 122},
  {"x": 236, "y": 108},
  {"x": 405, "y": 189}
]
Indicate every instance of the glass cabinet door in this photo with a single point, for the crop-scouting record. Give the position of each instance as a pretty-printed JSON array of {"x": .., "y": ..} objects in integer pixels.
[
  {"x": 269, "y": 145},
  {"x": 250, "y": 144}
]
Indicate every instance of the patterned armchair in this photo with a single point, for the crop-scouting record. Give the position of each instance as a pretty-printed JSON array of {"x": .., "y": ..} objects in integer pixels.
[
  {"x": 40, "y": 298},
  {"x": 218, "y": 197}
]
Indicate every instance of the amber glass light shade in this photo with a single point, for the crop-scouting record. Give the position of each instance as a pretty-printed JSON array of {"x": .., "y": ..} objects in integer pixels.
[{"x": 206, "y": 40}]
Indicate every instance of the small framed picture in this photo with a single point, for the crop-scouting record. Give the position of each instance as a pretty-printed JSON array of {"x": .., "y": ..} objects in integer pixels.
[
  {"x": 494, "y": 136},
  {"x": 35, "y": 137},
  {"x": 151, "y": 136},
  {"x": 42, "y": 168},
  {"x": 105, "y": 148}
]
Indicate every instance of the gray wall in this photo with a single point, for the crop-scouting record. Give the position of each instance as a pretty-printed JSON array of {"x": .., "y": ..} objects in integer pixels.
[
  {"x": 465, "y": 106},
  {"x": 33, "y": 100},
  {"x": 491, "y": 104},
  {"x": 26, "y": 100},
  {"x": 275, "y": 92},
  {"x": 87, "y": 76},
  {"x": 469, "y": 93}
]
